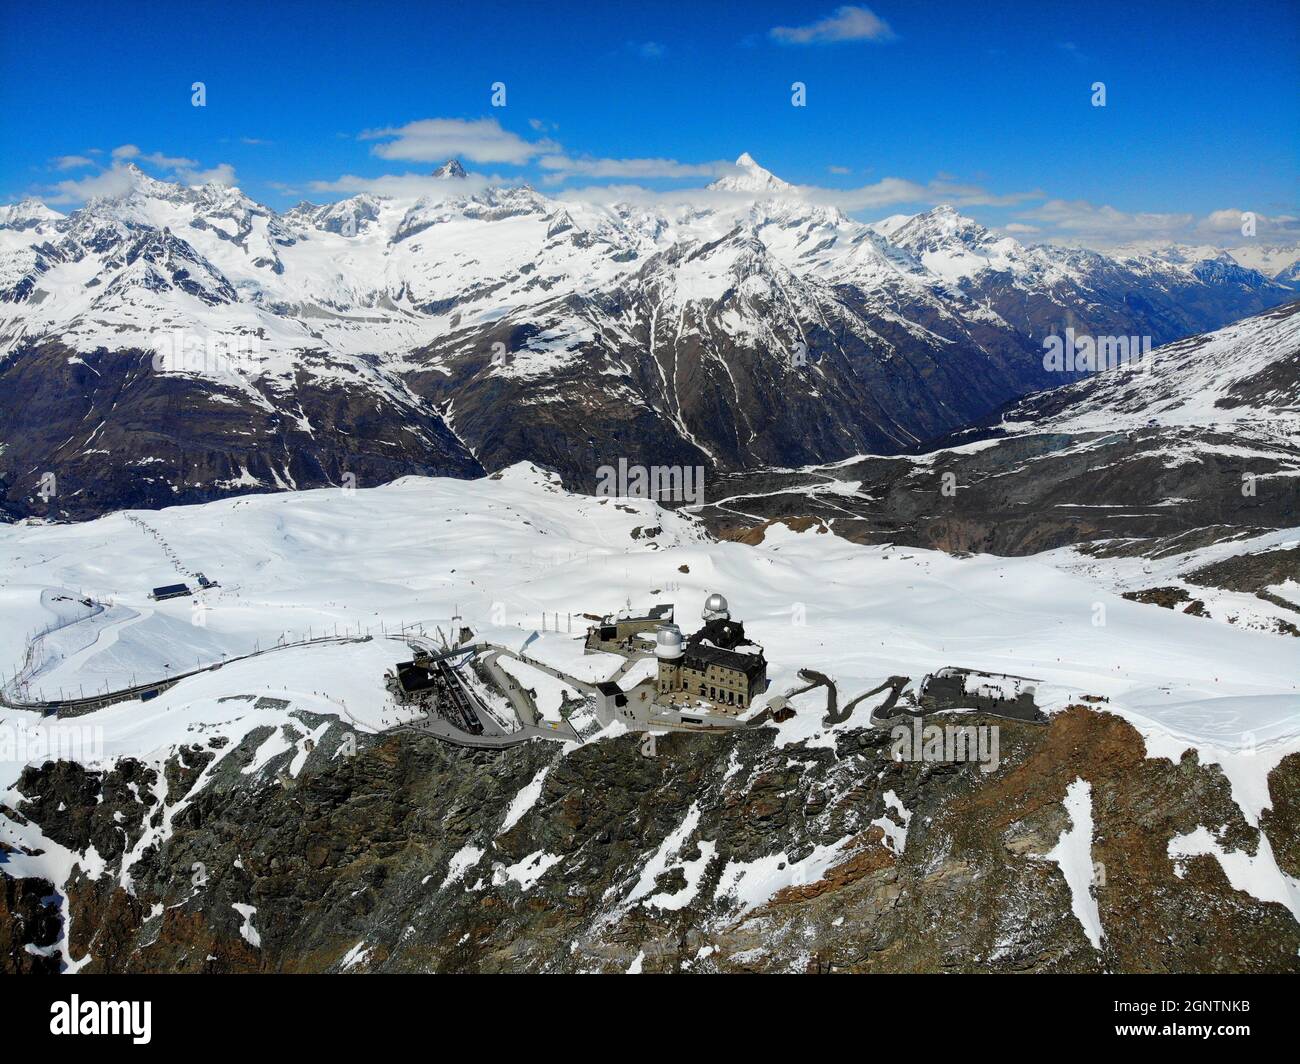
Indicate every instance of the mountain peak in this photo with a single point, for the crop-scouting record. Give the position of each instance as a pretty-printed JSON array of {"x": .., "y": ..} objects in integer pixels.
[
  {"x": 939, "y": 226},
  {"x": 450, "y": 169},
  {"x": 750, "y": 177},
  {"x": 129, "y": 181},
  {"x": 26, "y": 214}
]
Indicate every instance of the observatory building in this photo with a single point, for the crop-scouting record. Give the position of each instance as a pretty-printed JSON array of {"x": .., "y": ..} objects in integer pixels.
[
  {"x": 623, "y": 630},
  {"x": 716, "y": 663}
]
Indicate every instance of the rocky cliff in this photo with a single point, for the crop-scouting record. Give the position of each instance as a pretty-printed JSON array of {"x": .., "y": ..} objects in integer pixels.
[{"x": 728, "y": 853}]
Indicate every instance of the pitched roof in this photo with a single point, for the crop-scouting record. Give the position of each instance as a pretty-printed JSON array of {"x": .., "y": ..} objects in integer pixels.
[{"x": 701, "y": 654}]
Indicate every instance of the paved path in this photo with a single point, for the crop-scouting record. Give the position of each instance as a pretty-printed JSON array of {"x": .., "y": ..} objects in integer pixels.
[
  {"x": 572, "y": 681},
  {"x": 896, "y": 685},
  {"x": 522, "y": 703},
  {"x": 835, "y": 715},
  {"x": 439, "y": 728}
]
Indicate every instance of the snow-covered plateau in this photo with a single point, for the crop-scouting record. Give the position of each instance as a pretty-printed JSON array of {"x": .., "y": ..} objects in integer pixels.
[{"x": 220, "y": 832}]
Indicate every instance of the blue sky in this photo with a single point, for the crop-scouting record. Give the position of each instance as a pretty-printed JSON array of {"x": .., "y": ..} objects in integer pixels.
[{"x": 908, "y": 103}]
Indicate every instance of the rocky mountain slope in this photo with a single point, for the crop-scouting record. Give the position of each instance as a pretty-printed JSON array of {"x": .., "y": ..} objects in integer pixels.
[
  {"x": 716, "y": 855},
  {"x": 221, "y": 347},
  {"x": 1203, "y": 433}
]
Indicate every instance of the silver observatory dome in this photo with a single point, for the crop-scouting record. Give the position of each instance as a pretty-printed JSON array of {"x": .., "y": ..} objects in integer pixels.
[
  {"x": 668, "y": 642},
  {"x": 715, "y": 607}
]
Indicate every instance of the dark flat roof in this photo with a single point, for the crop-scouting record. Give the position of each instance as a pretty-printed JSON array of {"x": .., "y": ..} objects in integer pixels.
[
  {"x": 413, "y": 677},
  {"x": 167, "y": 590}
]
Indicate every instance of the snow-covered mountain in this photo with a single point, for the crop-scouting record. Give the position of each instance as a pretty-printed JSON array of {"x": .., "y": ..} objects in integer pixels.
[
  {"x": 463, "y": 329},
  {"x": 1244, "y": 377}
]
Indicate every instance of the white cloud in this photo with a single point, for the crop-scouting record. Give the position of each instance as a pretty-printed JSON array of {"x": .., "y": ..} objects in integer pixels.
[
  {"x": 166, "y": 162},
  {"x": 72, "y": 162},
  {"x": 124, "y": 152},
  {"x": 122, "y": 176},
  {"x": 221, "y": 174},
  {"x": 1230, "y": 221},
  {"x": 1224, "y": 221},
  {"x": 890, "y": 191},
  {"x": 1093, "y": 223},
  {"x": 848, "y": 23},
  {"x": 406, "y": 186},
  {"x": 114, "y": 181},
  {"x": 967, "y": 195},
  {"x": 1105, "y": 227},
  {"x": 1071, "y": 49},
  {"x": 438, "y": 139},
  {"x": 564, "y": 166}
]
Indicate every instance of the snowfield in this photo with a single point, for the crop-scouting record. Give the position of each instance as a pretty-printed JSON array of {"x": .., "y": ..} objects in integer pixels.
[
  {"x": 500, "y": 551},
  {"x": 503, "y": 550}
]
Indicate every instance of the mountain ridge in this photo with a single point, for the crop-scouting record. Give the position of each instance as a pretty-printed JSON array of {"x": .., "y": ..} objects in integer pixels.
[{"x": 752, "y": 328}]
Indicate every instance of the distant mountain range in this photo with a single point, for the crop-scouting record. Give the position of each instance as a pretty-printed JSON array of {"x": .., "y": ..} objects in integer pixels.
[{"x": 176, "y": 344}]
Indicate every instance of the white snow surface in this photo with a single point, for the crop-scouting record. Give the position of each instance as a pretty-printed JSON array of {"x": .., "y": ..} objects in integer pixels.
[
  {"x": 1073, "y": 853},
  {"x": 1258, "y": 875}
]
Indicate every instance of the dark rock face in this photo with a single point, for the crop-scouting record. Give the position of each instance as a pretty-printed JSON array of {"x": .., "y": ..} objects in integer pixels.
[
  {"x": 350, "y": 862},
  {"x": 115, "y": 434},
  {"x": 1171, "y": 598},
  {"x": 78, "y": 808},
  {"x": 1079, "y": 463},
  {"x": 28, "y": 917},
  {"x": 1282, "y": 819},
  {"x": 878, "y": 378},
  {"x": 1251, "y": 572}
]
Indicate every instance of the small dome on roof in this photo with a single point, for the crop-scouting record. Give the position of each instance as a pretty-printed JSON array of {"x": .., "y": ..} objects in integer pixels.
[{"x": 715, "y": 606}]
